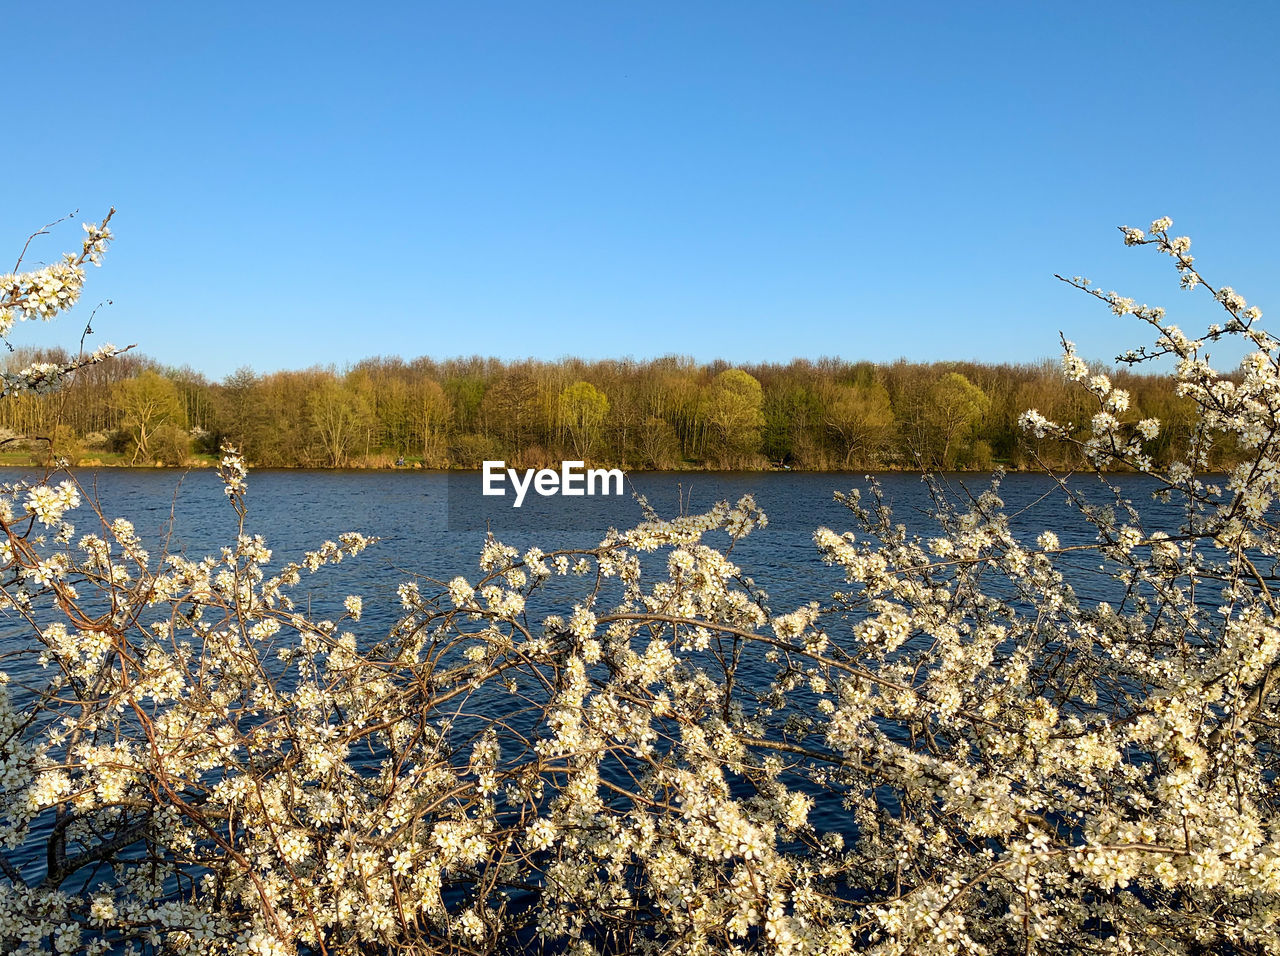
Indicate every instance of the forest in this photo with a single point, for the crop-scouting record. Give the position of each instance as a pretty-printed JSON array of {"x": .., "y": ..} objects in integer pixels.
[{"x": 664, "y": 414}]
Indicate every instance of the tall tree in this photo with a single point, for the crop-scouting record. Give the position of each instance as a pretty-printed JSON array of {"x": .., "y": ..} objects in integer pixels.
[
  {"x": 583, "y": 409},
  {"x": 340, "y": 417},
  {"x": 432, "y": 415},
  {"x": 146, "y": 403},
  {"x": 955, "y": 403},
  {"x": 862, "y": 417},
  {"x": 733, "y": 412}
]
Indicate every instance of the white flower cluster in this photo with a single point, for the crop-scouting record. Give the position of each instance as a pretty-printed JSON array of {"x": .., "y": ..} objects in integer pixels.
[
  {"x": 48, "y": 505},
  {"x": 40, "y": 377},
  {"x": 233, "y": 472},
  {"x": 43, "y": 293}
]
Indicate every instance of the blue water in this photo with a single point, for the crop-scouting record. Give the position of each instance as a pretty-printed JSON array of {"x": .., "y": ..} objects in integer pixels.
[{"x": 410, "y": 513}]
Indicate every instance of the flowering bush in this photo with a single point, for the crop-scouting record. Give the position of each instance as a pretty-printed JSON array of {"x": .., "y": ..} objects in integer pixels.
[
  {"x": 209, "y": 769},
  {"x": 43, "y": 294}
]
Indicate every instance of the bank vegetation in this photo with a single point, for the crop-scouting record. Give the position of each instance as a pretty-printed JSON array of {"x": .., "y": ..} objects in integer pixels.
[{"x": 666, "y": 413}]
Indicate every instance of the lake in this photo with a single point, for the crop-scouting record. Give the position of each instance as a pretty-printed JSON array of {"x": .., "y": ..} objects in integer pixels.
[{"x": 433, "y": 523}]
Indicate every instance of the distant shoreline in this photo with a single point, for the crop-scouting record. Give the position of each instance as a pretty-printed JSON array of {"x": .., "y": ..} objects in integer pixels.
[{"x": 204, "y": 464}]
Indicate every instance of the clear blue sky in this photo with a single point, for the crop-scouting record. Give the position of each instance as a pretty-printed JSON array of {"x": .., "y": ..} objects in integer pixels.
[{"x": 313, "y": 183}]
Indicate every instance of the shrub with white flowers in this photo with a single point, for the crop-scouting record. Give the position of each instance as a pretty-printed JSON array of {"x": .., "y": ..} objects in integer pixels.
[{"x": 1015, "y": 769}]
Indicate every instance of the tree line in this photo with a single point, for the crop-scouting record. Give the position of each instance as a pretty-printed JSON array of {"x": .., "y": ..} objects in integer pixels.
[{"x": 666, "y": 413}]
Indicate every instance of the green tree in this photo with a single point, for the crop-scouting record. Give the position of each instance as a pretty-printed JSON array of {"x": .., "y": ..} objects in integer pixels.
[
  {"x": 583, "y": 409},
  {"x": 791, "y": 409},
  {"x": 144, "y": 404},
  {"x": 734, "y": 414},
  {"x": 241, "y": 415},
  {"x": 954, "y": 405},
  {"x": 861, "y": 416}
]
